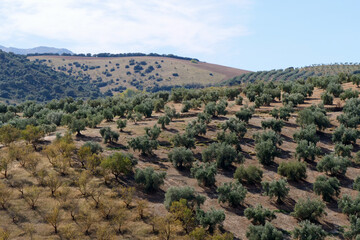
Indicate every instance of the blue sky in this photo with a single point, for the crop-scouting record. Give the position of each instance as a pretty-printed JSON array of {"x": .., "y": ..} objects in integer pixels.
[{"x": 247, "y": 34}]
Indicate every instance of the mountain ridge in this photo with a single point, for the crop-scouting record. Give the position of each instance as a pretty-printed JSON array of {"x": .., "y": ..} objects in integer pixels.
[{"x": 38, "y": 50}]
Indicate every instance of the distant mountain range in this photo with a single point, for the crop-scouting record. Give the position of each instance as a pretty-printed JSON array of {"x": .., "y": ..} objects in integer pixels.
[{"x": 39, "y": 50}]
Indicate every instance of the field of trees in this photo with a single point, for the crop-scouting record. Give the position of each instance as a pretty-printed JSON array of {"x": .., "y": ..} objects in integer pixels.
[
  {"x": 267, "y": 160},
  {"x": 293, "y": 74},
  {"x": 114, "y": 73}
]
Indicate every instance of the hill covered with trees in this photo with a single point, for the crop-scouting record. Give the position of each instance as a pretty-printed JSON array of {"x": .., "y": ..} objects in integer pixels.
[
  {"x": 21, "y": 79},
  {"x": 293, "y": 74},
  {"x": 267, "y": 160}
]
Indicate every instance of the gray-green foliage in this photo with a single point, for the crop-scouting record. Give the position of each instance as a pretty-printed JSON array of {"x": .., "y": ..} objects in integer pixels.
[
  {"x": 183, "y": 140},
  {"x": 273, "y": 124},
  {"x": 108, "y": 135},
  {"x": 258, "y": 215},
  {"x": 150, "y": 179},
  {"x": 354, "y": 231},
  {"x": 121, "y": 124},
  {"x": 307, "y": 133},
  {"x": 350, "y": 206},
  {"x": 153, "y": 133},
  {"x": 294, "y": 170},
  {"x": 233, "y": 193},
  {"x": 327, "y": 187},
  {"x": 204, "y": 173},
  {"x": 313, "y": 115},
  {"x": 251, "y": 174},
  {"x": 263, "y": 232},
  {"x": 222, "y": 153},
  {"x": 345, "y": 135},
  {"x": 276, "y": 188},
  {"x": 210, "y": 219},
  {"x": 308, "y": 231},
  {"x": 245, "y": 113},
  {"x": 307, "y": 150},
  {"x": 335, "y": 165},
  {"x": 308, "y": 209},
  {"x": 188, "y": 193},
  {"x": 143, "y": 144},
  {"x": 181, "y": 157},
  {"x": 327, "y": 98}
]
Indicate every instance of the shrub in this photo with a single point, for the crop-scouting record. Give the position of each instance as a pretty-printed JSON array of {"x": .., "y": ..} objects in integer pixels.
[
  {"x": 313, "y": 115},
  {"x": 294, "y": 171},
  {"x": 343, "y": 150},
  {"x": 204, "y": 173},
  {"x": 273, "y": 124},
  {"x": 153, "y": 133},
  {"x": 210, "y": 219},
  {"x": 164, "y": 120},
  {"x": 258, "y": 215},
  {"x": 266, "y": 232},
  {"x": 309, "y": 209},
  {"x": 108, "y": 135},
  {"x": 251, "y": 174},
  {"x": 356, "y": 185},
  {"x": 121, "y": 124},
  {"x": 184, "y": 140},
  {"x": 348, "y": 93},
  {"x": 276, "y": 188},
  {"x": 245, "y": 113},
  {"x": 350, "y": 206},
  {"x": 334, "y": 165},
  {"x": 236, "y": 126},
  {"x": 143, "y": 144},
  {"x": 176, "y": 193},
  {"x": 266, "y": 151},
  {"x": 327, "y": 187},
  {"x": 345, "y": 135},
  {"x": 119, "y": 164},
  {"x": 233, "y": 193},
  {"x": 77, "y": 125},
  {"x": 327, "y": 98},
  {"x": 150, "y": 179},
  {"x": 354, "y": 230},
  {"x": 307, "y": 150},
  {"x": 309, "y": 231},
  {"x": 94, "y": 147},
  {"x": 181, "y": 157},
  {"x": 307, "y": 133},
  {"x": 223, "y": 153}
]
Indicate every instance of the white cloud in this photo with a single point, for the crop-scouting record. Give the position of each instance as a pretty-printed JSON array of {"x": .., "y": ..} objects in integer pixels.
[{"x": 125, "y": 25}]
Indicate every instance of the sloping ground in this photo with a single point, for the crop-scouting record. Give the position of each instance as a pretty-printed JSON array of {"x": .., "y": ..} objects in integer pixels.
[
  {"x": 143, "y": 73},
  {"x": 293, "y": 74},
  {"x": 21, "y": 79}
]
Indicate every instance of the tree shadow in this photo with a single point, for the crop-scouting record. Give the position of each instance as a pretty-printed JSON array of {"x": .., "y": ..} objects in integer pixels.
[
  {"x": 287, "y": 139},
  {"x": 116, "y": 146},
  {"x": 325, "y": 137},
  {"x": 286, "y": 207},
  {"x": 254, "y": 126},
  {"x": 302, "y": 184},
  {"x": 239, "y": 210},
  {"x": 153, "y": 197},
  {"x": 272, "y": 167},
  {"x": 87, "y": 138},
  {"x": 165, "y": 143},
  {"x": 285, "y": 154},
  {"x": 172, "y": 130},
  {"x": 291, "y": 125}
]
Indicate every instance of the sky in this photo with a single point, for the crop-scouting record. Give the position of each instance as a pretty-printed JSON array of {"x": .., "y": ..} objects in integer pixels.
[{"x": 247, "y": 34}]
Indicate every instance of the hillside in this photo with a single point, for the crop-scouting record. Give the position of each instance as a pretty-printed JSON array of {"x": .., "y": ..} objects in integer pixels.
[
  {"x": 292, "y": 74},
  {"x": 38, "y": 50},
  {"x": 143, "y": 73},
  {"x": 21, "y": 79},
  {"x": 283, "y": 152}
]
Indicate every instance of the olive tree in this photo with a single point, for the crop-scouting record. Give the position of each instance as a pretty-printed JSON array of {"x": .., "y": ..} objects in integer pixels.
[
  {"x": 233, "y": 193},
  {"x": 150, "y": 179},
  {"x": 276, "y": 188}
]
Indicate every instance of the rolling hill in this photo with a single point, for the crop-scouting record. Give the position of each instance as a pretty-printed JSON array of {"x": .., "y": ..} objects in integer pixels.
[
  {"x": 21, "y": 79},
  {"x": 150, "y": 73}
]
